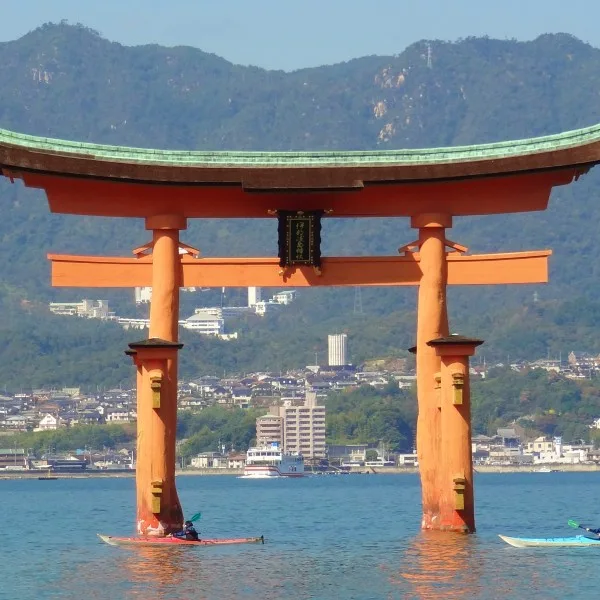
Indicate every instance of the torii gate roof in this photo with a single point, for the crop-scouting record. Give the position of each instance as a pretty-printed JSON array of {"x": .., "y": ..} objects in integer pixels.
[{"x": 510, "y": 176}]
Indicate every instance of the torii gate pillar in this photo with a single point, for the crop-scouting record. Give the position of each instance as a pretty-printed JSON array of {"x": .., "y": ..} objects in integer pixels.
[
  {"x": 158, "y": 508},
  {"x": 432, "y": 323},
  {"x": 457, "y": 506},
  {"x": 166, "y": 275}
]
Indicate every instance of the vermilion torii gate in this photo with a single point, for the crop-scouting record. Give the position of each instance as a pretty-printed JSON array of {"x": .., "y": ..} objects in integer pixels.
[{"x": 431, "y": 186}]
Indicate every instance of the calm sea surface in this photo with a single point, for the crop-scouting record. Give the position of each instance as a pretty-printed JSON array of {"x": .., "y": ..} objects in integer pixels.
[{"x": 350, "y": 537}]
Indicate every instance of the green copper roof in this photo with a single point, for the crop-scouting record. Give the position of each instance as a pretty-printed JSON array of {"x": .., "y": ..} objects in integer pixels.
[{"x": 498, "y": 150}]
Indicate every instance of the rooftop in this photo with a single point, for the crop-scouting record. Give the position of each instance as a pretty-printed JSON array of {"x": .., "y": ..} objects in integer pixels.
[
  {"x": 42, "y": 154},
  {"x": 568, "y": 139}
]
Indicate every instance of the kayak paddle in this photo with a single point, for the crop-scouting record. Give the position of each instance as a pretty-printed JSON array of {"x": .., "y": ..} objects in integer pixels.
[
  {"x": 576, "y": 525},
  {"x": 195, "y": 517}
]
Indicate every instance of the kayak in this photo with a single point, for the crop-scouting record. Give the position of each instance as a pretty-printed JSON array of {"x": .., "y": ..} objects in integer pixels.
[
  {"x": 174, "y": 541},
  {"x": 577, "y": 540}
]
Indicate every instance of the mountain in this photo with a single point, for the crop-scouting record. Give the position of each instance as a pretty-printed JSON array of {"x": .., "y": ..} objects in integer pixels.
[{"x": 68, "y": 82}]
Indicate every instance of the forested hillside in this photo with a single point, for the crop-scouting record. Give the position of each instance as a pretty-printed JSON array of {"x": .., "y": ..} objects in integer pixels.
[{"x": 68, "y": 82}]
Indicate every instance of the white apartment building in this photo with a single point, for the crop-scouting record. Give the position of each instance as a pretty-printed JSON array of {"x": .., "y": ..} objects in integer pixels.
[
  {"x": 254, "y": 296},
  {"x": 302, "y": 427},
  {"x": 337, "y": 350},
  {"x": 204, "y": 322}
]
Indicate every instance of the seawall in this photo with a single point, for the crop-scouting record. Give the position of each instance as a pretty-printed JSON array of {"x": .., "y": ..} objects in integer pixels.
[{"x": 353, "y": 471}]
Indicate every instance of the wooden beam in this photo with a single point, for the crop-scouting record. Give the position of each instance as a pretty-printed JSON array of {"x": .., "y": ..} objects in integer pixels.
[
  {"x": 491, "y": 195},
  {"x": 483, "y": 269}
]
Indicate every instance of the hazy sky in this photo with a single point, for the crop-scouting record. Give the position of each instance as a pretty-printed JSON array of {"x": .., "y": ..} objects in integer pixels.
[{"x": 289, "y": 35}]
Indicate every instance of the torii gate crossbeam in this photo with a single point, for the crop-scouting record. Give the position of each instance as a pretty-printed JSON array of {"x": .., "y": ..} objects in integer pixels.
[{"x": 483, "y": 269}]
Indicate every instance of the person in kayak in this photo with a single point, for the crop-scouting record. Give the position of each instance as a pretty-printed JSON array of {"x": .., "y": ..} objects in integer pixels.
[{"x": 188, "y": 532}]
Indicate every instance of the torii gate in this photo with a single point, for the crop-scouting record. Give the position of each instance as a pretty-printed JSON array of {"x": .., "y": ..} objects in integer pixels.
[{"x": 431, "y": 186}]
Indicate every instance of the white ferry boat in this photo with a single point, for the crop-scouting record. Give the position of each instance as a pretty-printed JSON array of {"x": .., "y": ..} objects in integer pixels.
[{"x": 271, "y": 461}]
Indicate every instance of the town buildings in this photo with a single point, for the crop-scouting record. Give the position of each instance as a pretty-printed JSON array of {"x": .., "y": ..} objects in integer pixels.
[
  {"x": 507, "y": 448},
  {"x": 296, "y": 417},
  {"x": 90, "y": 309},
  {"x": 297, "y": 427},
  {"x": 206, "y": 320}
]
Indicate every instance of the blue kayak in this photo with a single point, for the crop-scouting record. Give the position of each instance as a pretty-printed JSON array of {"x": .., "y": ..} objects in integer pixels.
[{"x": 577, "y": 540}]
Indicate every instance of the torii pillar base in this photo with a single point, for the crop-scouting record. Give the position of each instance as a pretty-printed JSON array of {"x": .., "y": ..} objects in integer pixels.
[
  {"x": 158, "y": 508},
  {"x": 455, "y": 469}
]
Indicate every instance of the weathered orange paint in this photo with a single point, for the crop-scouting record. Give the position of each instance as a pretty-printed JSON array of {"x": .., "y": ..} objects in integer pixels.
[
  {"x": 456, "y": 456},
  {"x": 166, "y": 281},
  {"x": 482, "y": 269},
  {"x": 157, "y": 426},
  {"x": 142, "y": 469},
  {"x": 432, "y": 322},
  {"x": 155, "y": 466},
  {"x": 527, "y": 191}
]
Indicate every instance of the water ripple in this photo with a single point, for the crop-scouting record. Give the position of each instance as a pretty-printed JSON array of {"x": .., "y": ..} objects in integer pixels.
[{"x": 352, "y": 538}]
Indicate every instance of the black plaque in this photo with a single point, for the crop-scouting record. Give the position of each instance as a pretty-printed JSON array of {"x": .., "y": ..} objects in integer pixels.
[{"x": 300, "y": 238}]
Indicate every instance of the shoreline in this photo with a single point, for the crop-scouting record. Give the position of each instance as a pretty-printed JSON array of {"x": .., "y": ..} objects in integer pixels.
[{"x": 11, "y": 475}]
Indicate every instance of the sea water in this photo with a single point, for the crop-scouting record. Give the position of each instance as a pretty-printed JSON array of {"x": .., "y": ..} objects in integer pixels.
[{"x": 347, "y": 537}]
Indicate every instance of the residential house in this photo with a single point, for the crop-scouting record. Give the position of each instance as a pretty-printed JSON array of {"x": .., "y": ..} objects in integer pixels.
[
  {"x": 49, "y": 422},
  {"x": 16, "y": 422},
  {"x": 120, "y": 415},
  {"x": 539, "y": 445},
  {"x": 209, "y": 460},
  {"x": 192, "y": 402},
  {"x": 407, "y": 460},
  {"x": 236, "y": 461},
  {"x": 510, "y": 438}
]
